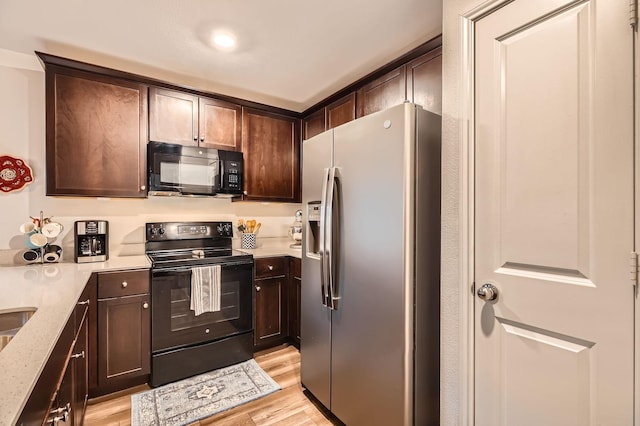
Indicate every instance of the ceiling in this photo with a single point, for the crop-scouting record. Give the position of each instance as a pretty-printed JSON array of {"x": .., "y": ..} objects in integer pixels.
[{"x": 290, "y": 53}]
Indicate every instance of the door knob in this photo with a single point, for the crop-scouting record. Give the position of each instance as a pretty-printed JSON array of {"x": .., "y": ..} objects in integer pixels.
[{"x": 488, "y": 292}]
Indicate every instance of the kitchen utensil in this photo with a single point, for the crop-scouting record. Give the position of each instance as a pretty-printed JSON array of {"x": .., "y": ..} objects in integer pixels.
[
  {"x": 257, "y": 228},
  {"x": 52, "y": 229},
  {"x": 36, "y": 240},
  {"x": 27, "y": 227},
  {"x": 31, "y": 256},
  {"x": 52, "y": 253}
]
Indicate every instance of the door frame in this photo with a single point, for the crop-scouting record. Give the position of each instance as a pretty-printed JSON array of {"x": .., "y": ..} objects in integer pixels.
[{"x": 466, "y": 130}]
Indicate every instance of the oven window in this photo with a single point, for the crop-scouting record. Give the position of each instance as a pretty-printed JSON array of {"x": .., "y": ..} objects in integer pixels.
[
  {"x": 182, "y": 316},
  {"x": 183, "y": 173}
]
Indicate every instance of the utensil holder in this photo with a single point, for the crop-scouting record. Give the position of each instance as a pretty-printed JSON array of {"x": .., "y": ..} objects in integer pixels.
[{"x": 248, "y": 241}]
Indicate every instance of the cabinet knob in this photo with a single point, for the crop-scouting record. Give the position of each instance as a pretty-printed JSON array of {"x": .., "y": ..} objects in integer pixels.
[
  {"x": 195, "y": 138},
  {"x": 258, "y": 288},
  {"x": 202, "y": 139},
  {"x": 80, "y": 355},
  {"x": 142, "y": 187},
  {"x": 124, "y": 284},
  {"x": 270, "y": 267},
  {"x": 145, "y": 305}
]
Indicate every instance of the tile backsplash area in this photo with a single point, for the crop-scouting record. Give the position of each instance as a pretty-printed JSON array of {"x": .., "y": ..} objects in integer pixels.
[{"x": 127, "y": 220}]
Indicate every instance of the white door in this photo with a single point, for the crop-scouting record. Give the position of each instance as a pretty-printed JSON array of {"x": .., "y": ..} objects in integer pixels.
[{"x": 554, "y": 214}]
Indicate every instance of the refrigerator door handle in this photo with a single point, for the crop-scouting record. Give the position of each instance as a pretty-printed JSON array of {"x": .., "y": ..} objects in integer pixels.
[
  {"x": 333, "y": 212},
  {"x": 322, "y": 243}
]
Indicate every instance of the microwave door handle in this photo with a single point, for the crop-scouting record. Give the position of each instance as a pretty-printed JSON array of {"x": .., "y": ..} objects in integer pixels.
[
  {"x": 222, "y": 174},
  {"x": 322, "y": 243}
]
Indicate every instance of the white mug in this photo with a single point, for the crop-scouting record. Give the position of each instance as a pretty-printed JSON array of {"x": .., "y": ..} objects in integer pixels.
[{"x": 27, "y": 227}]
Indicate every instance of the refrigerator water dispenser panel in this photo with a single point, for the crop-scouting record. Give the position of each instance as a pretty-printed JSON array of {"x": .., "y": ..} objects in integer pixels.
[{"x": 313, "y": 229}]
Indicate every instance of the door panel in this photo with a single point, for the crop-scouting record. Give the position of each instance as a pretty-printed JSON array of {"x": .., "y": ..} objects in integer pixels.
[
  {"x": 368, "y": 327},
  {"x": 315, "y": 321},
  {"x": 554, "y": 214}
]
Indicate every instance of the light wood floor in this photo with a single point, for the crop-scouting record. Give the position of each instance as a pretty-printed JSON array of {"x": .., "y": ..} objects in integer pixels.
[{"x": 289, "y": 406}]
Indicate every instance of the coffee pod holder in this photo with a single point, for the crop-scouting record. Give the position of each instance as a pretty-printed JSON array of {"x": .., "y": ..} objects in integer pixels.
[{"x": 36, "y": 253}]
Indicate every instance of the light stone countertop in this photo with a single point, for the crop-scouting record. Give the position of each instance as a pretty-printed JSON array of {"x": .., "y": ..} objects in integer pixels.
[
  {"x": 270, "y": 247},
  {"x": 53, "y": 289}
]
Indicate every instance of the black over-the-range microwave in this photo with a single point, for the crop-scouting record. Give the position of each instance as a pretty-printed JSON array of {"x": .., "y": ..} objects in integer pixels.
[{"x": 191, "y": 170}]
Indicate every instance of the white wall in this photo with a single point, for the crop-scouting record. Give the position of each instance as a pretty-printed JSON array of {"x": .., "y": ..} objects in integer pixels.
[{"x": 22, "y": 124}]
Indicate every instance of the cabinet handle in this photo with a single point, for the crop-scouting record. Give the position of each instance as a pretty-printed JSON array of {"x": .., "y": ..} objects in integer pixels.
[
  {"x": 84, "y": 302},
  {"x": 124, "y": 284},
  {"x": 80, "y": 355},
  {"x": 63, "y": 414},
  {"x": 258, "y": 288},
  {"x": 145, "y": 305},
  {"x": 270, "y": 267},
  {"x": 142, "y": 187}
]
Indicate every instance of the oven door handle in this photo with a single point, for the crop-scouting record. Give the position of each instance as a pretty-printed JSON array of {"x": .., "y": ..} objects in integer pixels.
[{"x": 189, "y": 268}]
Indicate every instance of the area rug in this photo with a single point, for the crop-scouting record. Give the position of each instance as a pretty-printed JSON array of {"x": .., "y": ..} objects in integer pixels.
[{"x": 202, "y": 396}]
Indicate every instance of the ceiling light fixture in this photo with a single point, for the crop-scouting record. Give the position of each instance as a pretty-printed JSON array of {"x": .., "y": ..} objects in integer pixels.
[{"x": 223, "y": 40}]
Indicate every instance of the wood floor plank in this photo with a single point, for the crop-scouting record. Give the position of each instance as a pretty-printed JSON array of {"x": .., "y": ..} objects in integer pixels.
[{"x": 289, "y": 406}]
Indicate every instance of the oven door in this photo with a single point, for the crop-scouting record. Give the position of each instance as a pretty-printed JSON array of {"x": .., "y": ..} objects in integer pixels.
[
  {"x": 183, "y": 169},
  {"x": 175, "y": 325}
]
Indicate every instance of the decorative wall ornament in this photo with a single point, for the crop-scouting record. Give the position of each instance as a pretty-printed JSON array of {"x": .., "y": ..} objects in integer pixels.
[{"x": 15, "y": 174}]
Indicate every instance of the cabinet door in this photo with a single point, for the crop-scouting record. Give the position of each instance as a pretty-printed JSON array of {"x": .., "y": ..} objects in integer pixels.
[
  {"x": 96, "y": 135},
  {"x": 314, "y": 124},
  {"x": 341, "y": 111},
  {"x": 220, "y": 125},
  {"x": 383, "y": 92},
  {"x": 294, "y": 299},
  {"x": 271, "y": 312},
  {"x": 424, "y": 81},
  {"x": 124, "y": 340},
  {"x": 173, "y": 117},
  {"x": 271, "y": 147},
  {"x": 80, "y": 359}
]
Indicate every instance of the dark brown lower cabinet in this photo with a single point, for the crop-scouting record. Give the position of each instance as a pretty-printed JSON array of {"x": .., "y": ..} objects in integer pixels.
[
  {"x": 277, "y": 295},
  {"x": 271, "y": 304},
  {"x": 123, "y": 331},
  {"x": 60, "y": 394}
]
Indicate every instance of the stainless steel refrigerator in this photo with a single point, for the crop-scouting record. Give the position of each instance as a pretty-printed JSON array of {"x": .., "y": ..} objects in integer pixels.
[{"x": 370, "y": 268}]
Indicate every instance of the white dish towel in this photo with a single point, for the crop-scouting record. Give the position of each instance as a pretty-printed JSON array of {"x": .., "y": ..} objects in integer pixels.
[{"x": 205, "y": 289}]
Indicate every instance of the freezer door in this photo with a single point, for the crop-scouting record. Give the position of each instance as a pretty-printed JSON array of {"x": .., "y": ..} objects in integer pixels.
[
  {"x": 315, "y": 322},
  {"x": 368, "y": 327}
]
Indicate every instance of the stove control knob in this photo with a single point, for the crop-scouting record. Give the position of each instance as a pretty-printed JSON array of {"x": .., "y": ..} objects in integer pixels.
[
  {"x": 154, "y": 231},
  {"x": 161, "y": 231},
  {"x": 227, "y": 229},
  {"x": 220, "y": 229}
]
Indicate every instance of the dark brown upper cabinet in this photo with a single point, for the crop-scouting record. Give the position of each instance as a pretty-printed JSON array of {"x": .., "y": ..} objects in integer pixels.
[
  {"x": 271, "y": 148},
  {"x": 341, "y": 111},
  {"x": 383, "y": 92},
  {"x": 314, "y": 124},
  {"x": 186, "y": 119},
  {"x": 424, "y": 81},
  {"x": 96, "y": 134}
]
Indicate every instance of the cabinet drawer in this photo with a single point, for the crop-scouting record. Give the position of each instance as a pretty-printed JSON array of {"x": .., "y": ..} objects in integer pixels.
[
  {"x": 270, "y": 267},
  {"x": 116, "y": 284}
]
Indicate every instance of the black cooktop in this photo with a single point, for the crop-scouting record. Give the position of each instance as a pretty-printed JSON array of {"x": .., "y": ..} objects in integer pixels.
[{"x": 172, "y": 244}]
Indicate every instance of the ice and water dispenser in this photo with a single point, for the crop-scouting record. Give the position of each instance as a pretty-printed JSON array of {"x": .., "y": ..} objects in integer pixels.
[{"x": 313, "y": 228}]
